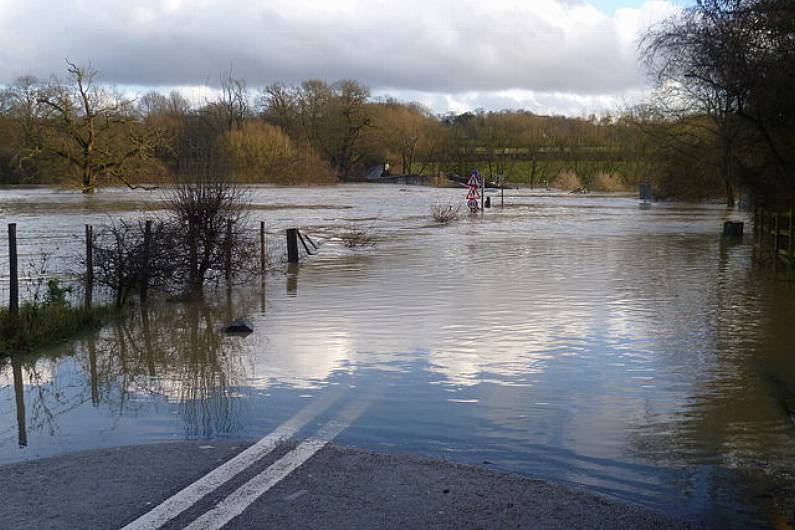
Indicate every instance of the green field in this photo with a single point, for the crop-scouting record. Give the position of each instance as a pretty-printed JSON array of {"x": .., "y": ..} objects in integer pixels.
[{"x": 559, "y": 172}]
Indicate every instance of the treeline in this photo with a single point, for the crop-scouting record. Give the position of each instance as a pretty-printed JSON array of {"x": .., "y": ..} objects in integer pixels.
[
  {"x": 78, "y": 130},
  {"x": 725, "y": 73},
  {"x": 721, "y": 121}
]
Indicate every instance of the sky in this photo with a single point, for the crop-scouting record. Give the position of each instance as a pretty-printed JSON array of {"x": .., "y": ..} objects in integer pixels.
[{"x": 568, "y": 57}]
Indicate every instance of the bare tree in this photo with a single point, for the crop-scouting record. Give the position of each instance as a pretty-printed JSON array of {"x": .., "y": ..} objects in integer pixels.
[
  {"x": 277, "y": 104},
  {"x": 93, "y": 129},
  {"x": 122, "y": 262},
  {"x": 333, "y": 119},
  {"x": 732, "y": 61},
  {"x": 230, "y": 110},
  {"x": 19, "y": 103},
  {"x": 201, "y": 209}
]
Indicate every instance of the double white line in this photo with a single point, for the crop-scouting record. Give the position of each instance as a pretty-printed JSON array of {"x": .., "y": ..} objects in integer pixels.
[{"x": 240, "y": 499}]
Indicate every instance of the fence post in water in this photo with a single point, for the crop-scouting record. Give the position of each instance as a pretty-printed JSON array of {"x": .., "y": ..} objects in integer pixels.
[
  {"x": 13, "y": 302},
  {"x": 776, "y": 225},
  {"x": 89, "y": 287},
  {"x": 147, "y": 256},
  {"x": 262, "y": 246},
  {"x": 292, "y": 245},
  {"x": 228, "y": 251}
]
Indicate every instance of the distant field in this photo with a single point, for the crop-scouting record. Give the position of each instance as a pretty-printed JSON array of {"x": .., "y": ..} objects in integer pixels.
[{"x": 562, "y": 173}]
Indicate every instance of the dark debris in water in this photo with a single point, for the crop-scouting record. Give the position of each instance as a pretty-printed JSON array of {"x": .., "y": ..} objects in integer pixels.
[{"x": 239, "y": 326}]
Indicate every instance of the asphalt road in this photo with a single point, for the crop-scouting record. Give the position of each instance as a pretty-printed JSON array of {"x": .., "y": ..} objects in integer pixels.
[{"x": 333, "y": 488}]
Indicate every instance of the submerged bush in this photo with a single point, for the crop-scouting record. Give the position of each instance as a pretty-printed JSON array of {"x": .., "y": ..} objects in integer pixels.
[
  {"x": 445, "y": 213},
  {"x": 357, "y": 235}
]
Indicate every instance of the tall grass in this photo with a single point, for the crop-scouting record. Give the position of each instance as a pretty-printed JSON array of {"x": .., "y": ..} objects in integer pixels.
[
  {"x": 39, "y": 324},
  {"x": 566, "y": 180},
  {"x": 609, "y": 182}
]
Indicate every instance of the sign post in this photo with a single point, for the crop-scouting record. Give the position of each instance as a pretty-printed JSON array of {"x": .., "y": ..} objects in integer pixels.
[
  {"x": 475, "y": 184},
  {"x": 645, "y": 194}
]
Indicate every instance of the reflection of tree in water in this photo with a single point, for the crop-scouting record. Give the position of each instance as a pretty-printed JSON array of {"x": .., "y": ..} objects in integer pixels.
[
  {"x": 726, "y": 424},
  {"x": 36, "y": 397},
  {"x": 177, "y": 352},
  {"x": 168, "y": 353}
]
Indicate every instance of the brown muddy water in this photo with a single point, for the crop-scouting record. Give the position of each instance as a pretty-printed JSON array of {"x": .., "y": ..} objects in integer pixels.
[{"x": 580, "y": 339}]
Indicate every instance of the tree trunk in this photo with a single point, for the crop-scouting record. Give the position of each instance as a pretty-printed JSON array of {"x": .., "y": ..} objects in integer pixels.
[
  {"x": 88, "y": 180},
  {"x": 730, "y": 195}
]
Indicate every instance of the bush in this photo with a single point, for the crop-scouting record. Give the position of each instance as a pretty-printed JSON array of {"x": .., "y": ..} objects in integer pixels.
[
  {"x": 609, "y": 182},
  {"x": 261, "y": 152},
  {"x": 39, "y": 324},
  {"x": 567, "y": 181},
  {"x": 445, "y": 213},
  {"x": 56, "y": 295},
  {"x": 356, "y": 235}
]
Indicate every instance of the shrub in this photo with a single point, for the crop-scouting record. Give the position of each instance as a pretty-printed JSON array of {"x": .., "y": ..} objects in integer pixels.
[
  {"x": 609, "y": 182},
  {"x": 357, "y": 235},
  {"x": 38, "y": 324},
  {"x": 566, "y": 180},
  {"x": 56, "y": 295},
  {"x": 445, "y": 213}
]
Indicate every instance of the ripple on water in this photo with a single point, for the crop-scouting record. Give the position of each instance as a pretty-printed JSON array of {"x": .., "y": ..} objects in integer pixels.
[{"x": 580, "y": 339}]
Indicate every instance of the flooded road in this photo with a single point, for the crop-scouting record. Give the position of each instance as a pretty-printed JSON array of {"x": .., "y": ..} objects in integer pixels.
[{"x": 575, "y": 338}]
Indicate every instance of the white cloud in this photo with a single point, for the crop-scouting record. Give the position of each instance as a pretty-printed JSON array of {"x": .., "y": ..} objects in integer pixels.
[{"x": 549, "y": 49}]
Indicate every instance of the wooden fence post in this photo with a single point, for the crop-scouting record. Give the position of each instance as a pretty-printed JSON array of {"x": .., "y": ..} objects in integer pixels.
[
  {"x": 89, "y": 286},
  {"x": 306, "y": 247},
  {"x": 13, "y": 302},
  {"x": 292, "y": 245},
  {"x": 262, "y": 246},
  {"x": 776, "y": 225},
  {"x": 147, "y": 257}
]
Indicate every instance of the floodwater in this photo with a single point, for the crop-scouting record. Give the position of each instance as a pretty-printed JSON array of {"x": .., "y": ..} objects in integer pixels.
[{"x": 580, "y": 339}]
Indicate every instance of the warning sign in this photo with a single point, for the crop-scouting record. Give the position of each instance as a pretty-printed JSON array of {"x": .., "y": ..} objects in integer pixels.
[{"x": 475, "y": 182}]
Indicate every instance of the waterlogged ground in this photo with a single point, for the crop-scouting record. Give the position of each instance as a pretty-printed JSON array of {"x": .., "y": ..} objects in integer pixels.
[{"x": 576, "y": 338}]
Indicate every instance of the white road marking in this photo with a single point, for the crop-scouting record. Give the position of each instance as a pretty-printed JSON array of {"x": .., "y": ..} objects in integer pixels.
[
  {"x": 245, "y": 495},
  {"x": 184, "y": 499}
]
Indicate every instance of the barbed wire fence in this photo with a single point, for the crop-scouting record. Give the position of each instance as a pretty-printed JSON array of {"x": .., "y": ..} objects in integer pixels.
[{"x": 60, "y": 254}]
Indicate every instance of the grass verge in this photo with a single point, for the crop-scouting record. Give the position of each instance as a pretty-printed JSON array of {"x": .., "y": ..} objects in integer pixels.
[{"x": 38, "y": 325}]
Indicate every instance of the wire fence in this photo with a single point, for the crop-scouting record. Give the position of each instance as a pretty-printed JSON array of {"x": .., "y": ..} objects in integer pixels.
[{"x": 60, "y": 255}]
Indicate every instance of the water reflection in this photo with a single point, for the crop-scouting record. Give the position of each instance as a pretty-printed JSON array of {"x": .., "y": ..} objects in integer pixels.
[
  {"x": 579, "y": 339},
  {"x": 292, "y": 279},
  {"x": 167, "y": 354},
  {"x": 19, "y": 395}
]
